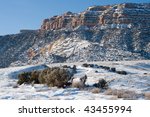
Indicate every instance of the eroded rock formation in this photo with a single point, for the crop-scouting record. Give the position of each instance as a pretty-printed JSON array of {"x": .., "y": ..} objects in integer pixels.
[{"x": 124, "y": 14}]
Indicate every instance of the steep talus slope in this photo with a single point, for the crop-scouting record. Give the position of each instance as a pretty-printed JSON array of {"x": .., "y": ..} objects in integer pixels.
[{"x": 100, "y": 33}]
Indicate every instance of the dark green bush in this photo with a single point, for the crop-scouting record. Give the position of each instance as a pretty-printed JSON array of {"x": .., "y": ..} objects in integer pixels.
[
  {"x": 74, "y": 69},
  {"x": 65, "y": 66},
  {"x": 122, "y": 72},
  {"x": 113, "y": 69},
  {"x": 101, "y": 84},
  {"x": 85, "y": 65}
]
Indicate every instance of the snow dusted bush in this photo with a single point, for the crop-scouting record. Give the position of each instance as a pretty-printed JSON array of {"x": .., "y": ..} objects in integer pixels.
[
  {"x": 74, "y": 68},
  {"x": 122, "y": 93},
  {"x": 113, "y": 69},
  {"x": 147, "y": 95},
  {"x": 24, "y": 78},
  {"x": 34, "y": 77},
  {"x": 55, "y": 76},
  {"x": 96, "y": 90},
  {"x": 85, "y": 65},
  {"x": 28, "y": 77},
  {"x": 66, "y": 66},
  {"x": 88, "y": 65},
  {"x": 102, "y": 83},
  {"x": 79, "y": 82},
  {"x": 122, "y": 72}
]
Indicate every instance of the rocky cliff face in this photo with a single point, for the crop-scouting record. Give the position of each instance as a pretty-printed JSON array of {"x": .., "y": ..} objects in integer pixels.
[
  {"x": 112, "y": 32},
  {"x": 108, "y": 16}
]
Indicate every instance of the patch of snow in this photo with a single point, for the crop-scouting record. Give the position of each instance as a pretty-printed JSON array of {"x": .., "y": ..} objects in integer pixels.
[{"x": 137, "y": 79}]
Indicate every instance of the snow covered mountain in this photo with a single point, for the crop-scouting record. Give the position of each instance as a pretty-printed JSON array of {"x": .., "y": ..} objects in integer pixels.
[{"x": 100, "y": 33}]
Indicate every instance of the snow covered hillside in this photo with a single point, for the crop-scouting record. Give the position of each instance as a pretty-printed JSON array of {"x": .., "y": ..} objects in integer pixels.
[
  {"x": 116, "y": 32},
  {"x": 134, "y": 85}
]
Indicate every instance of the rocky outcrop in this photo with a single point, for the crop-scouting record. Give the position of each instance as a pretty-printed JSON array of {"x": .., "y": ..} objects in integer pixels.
[
  {"x": 100, "y": 33},
  {"x": 110, "y": 16},
  {"x": 57, "y": 22}
]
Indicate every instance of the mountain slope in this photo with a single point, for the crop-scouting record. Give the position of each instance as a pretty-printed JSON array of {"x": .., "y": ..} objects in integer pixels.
[{"x": 100, "y": 33}]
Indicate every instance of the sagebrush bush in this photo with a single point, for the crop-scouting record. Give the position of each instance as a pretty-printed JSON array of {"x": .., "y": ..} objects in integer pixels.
[
  {"x": 52, "y": 77},
  {"x": 74, "y": 69},
  {"x": 34, "y": 77},
  {"x": 85, "y": 65},
  {"x": 24, "y": 78},
  {"x": 113, "y": 69},
  {"x": 122, "y": 93},
  {"x": 95, "y": 90},
  {"x": 80, "y": 83},
  {"x": 76, "y": 85},
  {"x": 147, "y": 95},
  {"x": 66, "y": 66},
  {"x": 57, "y": 77},
  {"x": 102, "y": 83},
  {"x": 122, "y": 72}
]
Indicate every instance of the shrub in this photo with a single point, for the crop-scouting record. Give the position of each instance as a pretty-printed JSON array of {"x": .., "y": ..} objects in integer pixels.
[
  {"x": 80, "y": 83},
  {"x": 57, "y": 77},
  {"x": 15, "y": 86},
  {"x": 28, "y": 77},
  {"x": 125, "y": 94},
  {"x": 24, "y": 78},
  {"x": 74, "y": 69},
  {"x": 113, "y": 69},
  {"x": 147, "y": 95},
  {"x": 52, "y": 77},
  {"x": 105, "y": 67},
  {"x": 77, "y": 85},
  {"x": 108, "y": 92},
  {"x": 91, "y": 65},
  {"x": 34, "y": 77},
  {"x": 122, "y": 72},
  {"x": 95, "y": 90},
  {"x": 65, "y": 66},
  {"x": 42, "y": 76},
  {"x": 85, "y": 65},
  {"x": 96, "y": 66},
  {"x": 101, "y": 84},
  {"x": 114, "y": 98}
]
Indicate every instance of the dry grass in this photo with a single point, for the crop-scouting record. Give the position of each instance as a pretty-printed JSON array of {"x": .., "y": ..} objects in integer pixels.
[
  {"x": 122, "y": 93},
  {"x": 147, "y": 95},
  {"x": 96, "y": 90},
  {"x": 77, "y": 85},
  {"x": 108, "y": 92},
  {"x": 111, "y": 92},
  {"x": 114, "y": 98}
]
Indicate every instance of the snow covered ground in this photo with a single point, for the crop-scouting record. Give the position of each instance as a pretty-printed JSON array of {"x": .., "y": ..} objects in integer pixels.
[{"x": 137, "y": 80}]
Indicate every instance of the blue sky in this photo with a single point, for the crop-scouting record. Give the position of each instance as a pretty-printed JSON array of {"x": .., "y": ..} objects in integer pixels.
[{"x": 28, "y": 14}]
